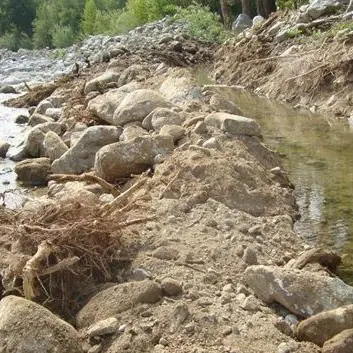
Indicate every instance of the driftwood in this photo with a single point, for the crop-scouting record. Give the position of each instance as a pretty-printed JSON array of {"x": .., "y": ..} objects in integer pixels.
[{"x": 89, "y": 177}]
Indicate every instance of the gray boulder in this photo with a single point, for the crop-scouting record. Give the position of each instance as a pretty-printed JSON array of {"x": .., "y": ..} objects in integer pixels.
[
  {"x": 303, "y": 293},
  {"x": 242, "y": 22},
  {"x": 131, "y": 132},
  {"x": 122, "y": 159},
  {"x": 36, "y": 119},
  {"x": 54, "y": 113},
  {"x": 26, "y": 327},
  {"x": 33, "y": 171},
  {"x": 318, "y": 8},
  {"x": 115, "y": 300},
  {"x": 80, "y": 157},
  {"x": 137, "y": 105},
  {"x": 100, "y": 83},
  {"x": 257, "y": 20},
  {"x": 54, "y": 146},
  {"x": 4, "y": 147},
  {"x": 323, "y": 326},
  {"x": 7, "y": 90},
  {"x": 233, "y": 124},
  {"x": 221, "y": 104},
  {"x": 35, "y": 137},
  {"x": 43, "y": 106},
  {"x": 176, "y": 132},
  {"x": 163, "y": 116},
  {"x": 104, "y": 105}
]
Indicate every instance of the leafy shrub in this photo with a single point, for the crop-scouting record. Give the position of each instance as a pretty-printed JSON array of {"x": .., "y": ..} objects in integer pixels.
[
  {"x": 63, "y": 36},
  {"x": 15, "y": 40},
  {"x": 202, "y": 23}
]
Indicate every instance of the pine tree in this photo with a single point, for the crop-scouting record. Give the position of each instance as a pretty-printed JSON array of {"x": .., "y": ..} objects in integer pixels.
[{"x": 89, "y": 17}]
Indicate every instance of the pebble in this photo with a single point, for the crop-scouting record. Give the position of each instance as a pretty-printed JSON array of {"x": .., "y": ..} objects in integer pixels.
[
  {"x": 171, "y": 287},
  {"x": 227, "y": 331},
  {"x": 103, "y": 327}
]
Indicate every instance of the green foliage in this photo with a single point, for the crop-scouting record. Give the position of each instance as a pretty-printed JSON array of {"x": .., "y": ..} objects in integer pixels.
[
  {"x": 202, "y": 23},
  {"x": 294, "y": 32},
  {"x": 114, "y": 22},
  {"x": 89, "y": 17},
  {"x": 62, "y": 36},
  {"x": 290, "y": 4},
  {"x": 15, "y": 40}
]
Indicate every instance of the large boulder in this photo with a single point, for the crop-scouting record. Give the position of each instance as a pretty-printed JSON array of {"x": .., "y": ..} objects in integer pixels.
[
  {"x": 303, "y": 293},
  {"x": 80, "y": 157},
  {"x": 162, "y": 116},
  {"x": 35, "y": 137},
  {"x": 33, "y": 171},
  {"x": 137, "y": 105},
  {"x": 7, "y": 90},
  {"x": 341, "y": 343},
  {"x": 131, "y": 132},
  {"x": 115, "y": 300},
  {"x": 43, "y": 106},
  {"x": 104, "y": 105},
  {"x": 318, "y": 8},
  {"x": 100, "y": 83},
  {"x": 323, "y": 326},
  {"x": 26, "y": 327},
  {"x": 243, "y": 21},
  {"x": 233, "y": 124},
  {"x": 122, "y": 159},
  {"x": 54, "y": 146},
  {"x": 36, "y": 119}
]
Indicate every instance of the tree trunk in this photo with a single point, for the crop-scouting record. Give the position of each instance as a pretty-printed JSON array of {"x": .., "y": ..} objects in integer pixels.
[
  {"x": 266, "y": 7},
  {"x": 226, "y": 13},
  {"x": 260, "y": 8},
  {"x": 246, "y": 7}
]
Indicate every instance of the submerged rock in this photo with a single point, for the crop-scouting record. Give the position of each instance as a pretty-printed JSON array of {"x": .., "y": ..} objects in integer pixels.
[
  {"x": 120, "y": 160},
  {"x": 26, "y": 327},
  {"x": 303, "y": 293}
]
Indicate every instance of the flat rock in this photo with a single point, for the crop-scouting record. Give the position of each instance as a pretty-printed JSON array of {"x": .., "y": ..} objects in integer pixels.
[
  {"x": 26, "y": 327},
  {"x": 323, "y": 326},
  {"x": 341, "y": 343},
  {"x": 33, "y": 171},
  {"x": 303, "y": 293},
  {"x": 243, "y": 21},
  {"x": 99, "y": 83},
  {"x": 114, "y": 300},
  {"x": 80, "y": 157},
  {"x": 104, "y": 105},
  {"x": 137, "y": 105},
  {"x": 233, "y": 124},
  {"x": 120, "y": 160}
]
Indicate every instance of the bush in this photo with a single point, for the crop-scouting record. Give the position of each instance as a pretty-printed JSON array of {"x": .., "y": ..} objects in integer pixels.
[
  {"x": 63, "y": 36},
  {"x": 202, "y": 23},
  {"x": 15, "y": 40}
]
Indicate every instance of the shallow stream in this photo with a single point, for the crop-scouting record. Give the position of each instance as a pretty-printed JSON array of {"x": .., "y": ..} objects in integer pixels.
[{"x": 317, "y": 153}]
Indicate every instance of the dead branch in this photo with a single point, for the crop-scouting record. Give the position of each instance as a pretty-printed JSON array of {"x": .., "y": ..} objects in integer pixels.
[
  {"x": 306, "y": 73},
  {"x": 59, "y": 266},
  {"x": 169, "y": 185},
  {"x": 136, "y": 221},
  {"x": 89, "y": 177}
]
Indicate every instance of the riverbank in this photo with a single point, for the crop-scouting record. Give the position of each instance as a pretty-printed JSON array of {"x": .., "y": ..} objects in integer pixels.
[{"x": 168, "y": 224}]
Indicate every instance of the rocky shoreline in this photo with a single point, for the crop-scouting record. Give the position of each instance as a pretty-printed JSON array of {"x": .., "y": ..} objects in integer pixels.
[{"x": 168, "y": 224}]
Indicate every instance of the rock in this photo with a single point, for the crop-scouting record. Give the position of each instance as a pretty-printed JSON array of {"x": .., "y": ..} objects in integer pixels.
[
  {"x": 221, "y": 104},
  {"x": 242, "y": 22},
  {"x": 114, "y": 300},
  {"x": 54, "y": 146},
  {"x": 137, "y": 105},
  {"x": 179, "y": 316},
  {"x": 54, "y": 113},
  {"x": 104, "y": 105},
  {"x": 212, "y": 143},
  {"x": 163, "y": 116},
  {"x": 341, "y": 343},
  {"x": 140, "y": 274},
  {"x": 4, "y": 147},
  {"x": 176, "y": 132},
  {"x": 303, "y": 293},
  {"x": 171, "y": 287},
  {"x": 103, "y": 327},
  {"x": 131, "y": 132},
  {"x": 166, "y": 253},
  {"x": 36, "y": 119},
  {"x": 250, "y": 256},
  {"x": 133, "y": 73},
  {"x": 21, "y": 119},
  {"x": 323, "y": 326},
  {"x": 33, "y": 171},
  {"x": 318, "y": 8},
  {"x": 26, "y": 327},
  {"x": 100, "y": 83},
  {"x": 250, "y": 303},
  {"x": 81, "y": 156},
  {"x": 43, "y": 106},
  {"x": 257, "y": 20},
  {"x": 233, "y": 124},
  {"x": 7, "y": 90},
  {"x": 35, "y": 138},
  {"x": 120, "y": 160}
]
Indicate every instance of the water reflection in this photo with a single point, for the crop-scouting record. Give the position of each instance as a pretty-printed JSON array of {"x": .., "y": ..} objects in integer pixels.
[{"x": 318, "y": 154}]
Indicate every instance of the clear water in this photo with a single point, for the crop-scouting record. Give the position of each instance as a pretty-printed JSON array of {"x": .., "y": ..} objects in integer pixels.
[
  {"x": 318, "y": 155},
  {"x": 11, "y": 193}
]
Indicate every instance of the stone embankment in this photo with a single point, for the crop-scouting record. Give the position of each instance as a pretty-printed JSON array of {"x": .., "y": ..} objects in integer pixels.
[{"x": 168, "y": 224}]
